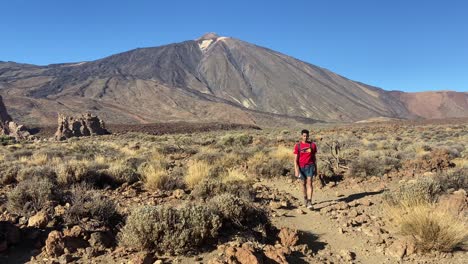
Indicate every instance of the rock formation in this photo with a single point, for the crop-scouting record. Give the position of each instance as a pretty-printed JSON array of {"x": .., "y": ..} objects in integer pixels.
[
  {"x": 84, "y": 125},
  {"x": 10, "y": 128}
]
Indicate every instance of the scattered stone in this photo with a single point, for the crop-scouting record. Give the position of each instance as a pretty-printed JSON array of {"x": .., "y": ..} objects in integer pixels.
[
  {"x": 178, "y": 194},
  {"x": 347, "y": 255},
  {"x": 278, "y": 255},
  {"x": 275, "y": 205},
  {"x": 366, "y": 202},
  {"x": 39, "y": 220},
  {"x": 65, "y": 258},
  {"x": 353, "y": 213},
  {"x": 288, "y": 237},
  {"x": 142, "y": 258},
  {"x": 75, "y": 231},
  {"x": 397, "y": 249},
  {"x": 454, "y": 203},
  {"x": 100, "y": 240},
  {"x": 55, "y": 244},
  {"x": 300, "y": 211}
]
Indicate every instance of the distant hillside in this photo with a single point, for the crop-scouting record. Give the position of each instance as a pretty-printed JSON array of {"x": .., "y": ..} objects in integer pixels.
[{"x": 210, "y": 79}]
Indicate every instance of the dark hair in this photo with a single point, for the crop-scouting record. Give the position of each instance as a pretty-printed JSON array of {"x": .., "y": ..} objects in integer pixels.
[{"x": 305, "y": 131}]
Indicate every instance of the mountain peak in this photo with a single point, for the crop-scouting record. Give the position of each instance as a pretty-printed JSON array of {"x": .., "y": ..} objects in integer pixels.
[{"x": 207, "y": 36}]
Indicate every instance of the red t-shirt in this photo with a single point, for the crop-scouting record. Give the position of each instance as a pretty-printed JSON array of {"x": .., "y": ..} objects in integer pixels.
[{"x": 308, "y": 151}]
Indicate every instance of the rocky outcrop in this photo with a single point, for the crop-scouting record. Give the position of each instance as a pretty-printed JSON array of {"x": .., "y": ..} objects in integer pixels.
[
  {"x": 4, "y": 116},
  {"x": 84, "y": 125},
  {"x": 10, "y": 128}
]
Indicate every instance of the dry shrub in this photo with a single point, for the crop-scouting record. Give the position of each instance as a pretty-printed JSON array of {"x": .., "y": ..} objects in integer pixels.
[
  {"x": 170, "y": 230},
  {"x": 232, "y": 159},
  {"x": 30, "y": 196},
  {"x": 38, "y": 159},
  {"x": 76, "y": 171},
  {"x": 235, "y": 140},
  {"x": 283, "y": 153},
  {"x": 155, "y": 177},
  {"x": 430, "y": 228},
  {"x": 436, "y": 160},
  {"x": 365, "y": 167},
  {"x": 211, "y": 187},
  {"x": 86, "y": 202},
  {"x": 414, "y": 192},
  {"x": 235, "y": 175},
  {"x": 154, "y": 172},
  {"x": 196, "y": 172},
  {"x": 36, "y": 172},
  {"x": 7, "y": 140},
  {"x": 453, "y": 179},
  {"x": 9, "y": 172},
  {"x": 261, "y": 165},
  {"x": 237, "y": 211},
  {"x": 121, "y": 171}
]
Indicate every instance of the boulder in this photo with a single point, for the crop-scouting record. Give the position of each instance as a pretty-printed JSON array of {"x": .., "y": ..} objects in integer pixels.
[
  {"x": 39, "y": 220},
  {"x": 276, "y": 255},
  {"x": 55, "y": 244},
  {"x": 288, "y": 237}
]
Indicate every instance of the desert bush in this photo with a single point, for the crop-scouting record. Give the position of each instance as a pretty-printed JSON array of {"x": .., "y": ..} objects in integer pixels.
[
  {"x": 235, "y": 174},
  {"x": 453, "y": 179},
  {"x": 235, "y": 140},
  {"x": 21, "y": 153},
  {"x": 155, "y": 176},
  {"x": 121, "y": 172},
  {"x": 366, "y": 167},
  {"x": 86, "y": 202},
  {"x": 9, "y": 172},
  {"x": 170, "y": 230},
  {"x": 237, "y": 211},
  {"x": 414, "y": 192},
  {"x": 211, "y": 187},
  {"x": 196, "y": 172},
  {"x": 155, "y": 171},
  {"x": 76, "y": 171},
  {"x": 36, "y": 172},
  {"x": 7, "y": 140},
  {"x": 174, "y": 180},
  {"x": 283, "y": 153},
  {"x": 431, "y": 228},
  {"x": 261, "y": 165},
  {"x": 30, "y": 196}
]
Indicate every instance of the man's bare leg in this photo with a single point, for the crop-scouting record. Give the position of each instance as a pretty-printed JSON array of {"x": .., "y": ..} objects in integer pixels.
[
  {"x": 310, "y": 189},
  {"x": 304, "y": 191}
]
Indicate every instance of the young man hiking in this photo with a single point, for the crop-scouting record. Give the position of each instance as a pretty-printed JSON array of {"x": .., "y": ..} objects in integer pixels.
[{"x": 305, "y": 165}]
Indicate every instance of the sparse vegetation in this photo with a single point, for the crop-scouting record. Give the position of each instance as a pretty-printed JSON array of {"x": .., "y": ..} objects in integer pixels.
[
  {"x": 170, "y": 230},
  {"x": 190, "y": 191},
  {"x": 31, "y": 195}
]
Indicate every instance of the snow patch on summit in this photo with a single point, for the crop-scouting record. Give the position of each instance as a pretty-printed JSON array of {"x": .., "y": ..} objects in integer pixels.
[{"x": 205, "y": 44}]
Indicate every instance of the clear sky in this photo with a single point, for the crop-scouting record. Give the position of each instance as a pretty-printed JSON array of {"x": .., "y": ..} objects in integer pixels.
[{"x": 412, "y": 45}]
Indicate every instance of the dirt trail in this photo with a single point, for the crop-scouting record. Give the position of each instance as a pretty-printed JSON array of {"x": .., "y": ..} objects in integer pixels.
[{"x": 324, "y": 232}]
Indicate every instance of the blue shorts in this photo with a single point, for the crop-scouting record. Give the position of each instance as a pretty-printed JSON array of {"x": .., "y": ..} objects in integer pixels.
[{"x": 307, "y": 171}]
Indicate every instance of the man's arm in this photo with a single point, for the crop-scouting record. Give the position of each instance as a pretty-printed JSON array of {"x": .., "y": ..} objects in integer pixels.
[{"x": 296, "y": 166}]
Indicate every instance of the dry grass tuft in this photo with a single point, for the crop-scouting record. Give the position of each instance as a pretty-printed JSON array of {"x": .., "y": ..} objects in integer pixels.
[
  {"x": 196, "y": 172},
  {"x": 431, "y": 229}
]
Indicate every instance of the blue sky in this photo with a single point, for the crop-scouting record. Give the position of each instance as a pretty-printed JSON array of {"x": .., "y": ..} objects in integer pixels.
[{"x": 396, "y": 45}]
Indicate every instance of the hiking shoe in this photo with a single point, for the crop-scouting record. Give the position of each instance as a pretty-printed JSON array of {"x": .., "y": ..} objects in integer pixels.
[
  {"x": 306, "y": 202},
  {"x": 309, "y": 205}
]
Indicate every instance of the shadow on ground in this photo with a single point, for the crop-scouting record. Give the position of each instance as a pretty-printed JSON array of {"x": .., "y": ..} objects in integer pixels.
[
  {"x": 311, "y": 240},
  {"x": 348, "y": 199}
]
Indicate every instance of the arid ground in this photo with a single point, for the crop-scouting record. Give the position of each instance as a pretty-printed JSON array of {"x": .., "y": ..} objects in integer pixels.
[{"x": 393, "y": 192}]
